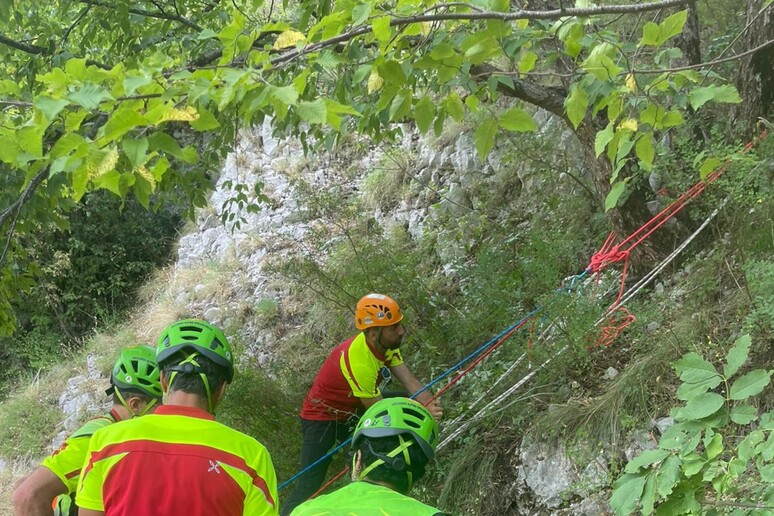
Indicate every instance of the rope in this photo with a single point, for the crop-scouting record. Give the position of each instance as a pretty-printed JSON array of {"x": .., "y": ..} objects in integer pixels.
[{"x": 481, "y": 414}]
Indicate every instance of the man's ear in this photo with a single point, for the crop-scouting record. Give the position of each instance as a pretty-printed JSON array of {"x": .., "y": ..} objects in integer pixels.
[
  {"x": 357, "y": 465},
  {"x": 136, "y": 405},
  {"x": 164, "y": 382}
]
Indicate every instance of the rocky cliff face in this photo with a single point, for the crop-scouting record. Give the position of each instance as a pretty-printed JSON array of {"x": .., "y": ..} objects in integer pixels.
[{"x": 241, "y": 243}]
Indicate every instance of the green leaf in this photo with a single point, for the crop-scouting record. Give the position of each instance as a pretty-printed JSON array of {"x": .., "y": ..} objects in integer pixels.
[
  {"x": 30, "y": 140},
  {"x": 527, "y": 62},
  {"x": 708, "y": 167},
  {"x": 723, "y": 94},
  {"x": 714, "y": 447},
  {"x": 288, "y": 95},
  {"x": 453, "y": 105},
  {"x": 206, "y": 121},
  {"x": 611, "y": 201},
  {"x": 121, "y": 122},
  {"x": 645, "y": 151},
  {"x": 767, "y": 450},
  {"x": 576, "y": 105},
  {"x": 667, "y": 475},
  {"x": 424, "y": 112},
  {"x": 693, "y": 466},
  {"x": 746, "y": 448},
  {"x": 672, "y": 119},
  {"x": 767, "y": 473},
  {"x": 485, "y": 137},
  {"x": 136, "y": 150},
  {"x": 517, "y": 120},
  {"x": 750, "y": 384},
  {"x": 381, "y": 28},
  {"x": 697, "y": 374},
  {"x": 702, "y": 405},
  {"x": 90, "y": 96},
  {"x": 312, "y": 112},
  {"x": 392, "y": 72},
  {"x": 109, "y": 181},
  {"x": 648, "y": 498},
  {"x": 627, "y": 493},
  {"x": 744, "y": 414},
  {"x": 66, "y": 144},
  {"x": 50, "y": 107},
  {"x": 650, "y": 35},
  {"x": 672, "y": 26},
  {"x": 602, "y": 138},
  {"x": 360, "y": 13},
  {"x": 737, "y": 355},
  {"x": 646, "y": 458}
]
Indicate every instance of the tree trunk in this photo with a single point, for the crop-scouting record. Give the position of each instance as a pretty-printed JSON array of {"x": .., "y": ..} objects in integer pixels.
[{"x": 755, "y": 80}]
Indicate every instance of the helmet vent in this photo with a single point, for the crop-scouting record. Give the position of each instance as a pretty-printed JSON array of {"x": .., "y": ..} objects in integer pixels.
[
  {"x": 190, "y": 328},
  {"x": 215, "y": 344}
]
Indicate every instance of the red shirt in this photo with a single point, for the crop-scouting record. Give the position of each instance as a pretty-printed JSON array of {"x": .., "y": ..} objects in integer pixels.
[{"x": 351, "y": 372}]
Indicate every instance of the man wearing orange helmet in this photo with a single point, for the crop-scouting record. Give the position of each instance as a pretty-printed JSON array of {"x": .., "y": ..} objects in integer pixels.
[{"x": 348, "y": 383}]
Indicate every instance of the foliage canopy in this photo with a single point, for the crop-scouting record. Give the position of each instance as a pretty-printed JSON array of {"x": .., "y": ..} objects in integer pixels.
[{"x": 144, "y": 97}]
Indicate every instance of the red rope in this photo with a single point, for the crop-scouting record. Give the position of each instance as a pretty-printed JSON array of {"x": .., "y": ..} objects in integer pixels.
[
  {"x": 613, "y": 253},
  {"x": 620, "y": 319},
  {"x": 329, "y": 482}
]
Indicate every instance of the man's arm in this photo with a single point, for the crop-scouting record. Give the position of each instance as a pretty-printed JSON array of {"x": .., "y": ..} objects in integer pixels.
[
  {"x": 89, "y": 512},
  {"x": 409, "y": 381},
  {"x": 34, "y": 495}
]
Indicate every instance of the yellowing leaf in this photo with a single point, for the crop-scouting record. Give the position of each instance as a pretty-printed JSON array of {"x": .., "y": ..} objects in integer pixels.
[
  {"x": 101, "y": 162},
  {"x": 629, "y": 124},
  {"x": 187, "y": 114},
  {"x": 289, "y": 38},
  {"x": 426, "y": 28},
  {"x": 375, "y": 81},
  {"x": 522, "y": 24},
  {"x": 146, "y": 174},
  {"x": 631, "y": 83}
]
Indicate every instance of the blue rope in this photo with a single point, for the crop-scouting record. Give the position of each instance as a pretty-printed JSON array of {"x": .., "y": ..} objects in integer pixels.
[{"x": 443, "y": 375}]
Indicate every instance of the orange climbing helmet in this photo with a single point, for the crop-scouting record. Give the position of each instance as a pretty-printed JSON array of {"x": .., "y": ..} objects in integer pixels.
[{"x": 377, "y": 310}]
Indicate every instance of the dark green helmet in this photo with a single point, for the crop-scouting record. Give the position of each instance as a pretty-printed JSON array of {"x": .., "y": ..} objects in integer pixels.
[
  {"x": 136, "y": 369},
  {"x": 399, "y": 416},
  {"x": 196, "y": 336}
]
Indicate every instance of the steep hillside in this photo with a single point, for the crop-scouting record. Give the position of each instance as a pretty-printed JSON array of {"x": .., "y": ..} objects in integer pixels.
[{"x": 543, "y": 424}]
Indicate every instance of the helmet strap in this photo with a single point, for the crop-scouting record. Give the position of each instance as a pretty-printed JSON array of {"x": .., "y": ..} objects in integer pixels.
[
  {"x": 190, "y": 365},
  {"x": 129, "y": 409},
  {"x": 391, "y": 459}
]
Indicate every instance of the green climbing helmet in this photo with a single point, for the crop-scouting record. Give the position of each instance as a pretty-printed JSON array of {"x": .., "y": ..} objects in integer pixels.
[
  {"x": 399, "y": 416},
  {"x": 197, "y": 336},
  {"x": 136, "y": 369}
]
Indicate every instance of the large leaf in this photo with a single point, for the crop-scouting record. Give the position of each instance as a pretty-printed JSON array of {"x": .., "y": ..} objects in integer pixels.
[
  {"x": 485, "y": 137},
  {"x": 518, "y": 120},
  {"x": 646, "y": 458},
  {"x": 737, "y": 355},
  {"x": 576, "y": 105},
  {"x": 744, "y": 414},
  {"x": 424, "y": 112},
  {"x": 672, "y": 26},
  {"x": 602, "y": 138},
  {"x": 90, "y": 96},
  {"x": 313, "y": 112},
  {"x": 750, "y": 384},
  {"x": 611, "y": 201},
  {"x": 645, "y": 151},
  {"x": 726, "y": 94},
  {"x": 667, "y": 476},
  {"x": 701, "y": 406},
  {"x": 697, "y": 374},
  {"x": 627, "y": 493}
]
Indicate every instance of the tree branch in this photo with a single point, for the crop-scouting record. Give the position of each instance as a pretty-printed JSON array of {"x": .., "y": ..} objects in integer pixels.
[
  {"x": 149, "y": 14},
  {"x": 550, "y": 98},
  {"x": 25, "y": 196},
  {"x": 481, "y": 15},
  {"x": 24, "y": 47}
]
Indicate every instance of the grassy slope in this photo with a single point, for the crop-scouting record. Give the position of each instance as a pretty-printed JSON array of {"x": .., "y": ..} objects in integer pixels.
[{"x": 718, "y": 288}]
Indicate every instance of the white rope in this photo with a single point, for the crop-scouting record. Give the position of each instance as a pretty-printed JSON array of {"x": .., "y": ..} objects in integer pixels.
[{"x": 482, "y": 413}]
